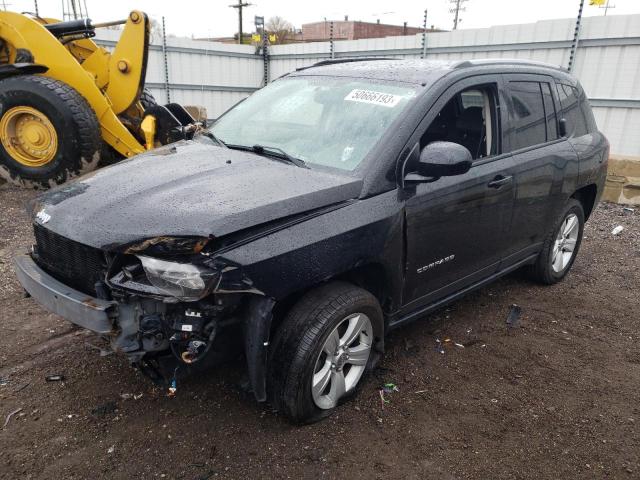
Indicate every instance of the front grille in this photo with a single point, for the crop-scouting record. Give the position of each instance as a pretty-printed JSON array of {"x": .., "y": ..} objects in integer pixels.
[{"x": 73, "y": 263}]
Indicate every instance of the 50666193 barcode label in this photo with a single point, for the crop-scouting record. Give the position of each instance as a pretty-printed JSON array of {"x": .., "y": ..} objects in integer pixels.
[{"x": 375, "y": 98}]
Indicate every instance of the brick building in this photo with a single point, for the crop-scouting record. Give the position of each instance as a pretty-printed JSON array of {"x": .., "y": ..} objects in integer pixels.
[{"x": 352, "y": 30}]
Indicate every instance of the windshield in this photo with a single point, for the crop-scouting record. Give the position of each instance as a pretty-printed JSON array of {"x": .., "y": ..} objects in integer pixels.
[{"x": 327, "y": 121}]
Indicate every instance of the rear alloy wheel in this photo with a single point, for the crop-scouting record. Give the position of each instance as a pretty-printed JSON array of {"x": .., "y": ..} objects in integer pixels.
[
  {"x": 565, "y": 243},
  {"x": 322, "y": 349},
  {"x": 561, "y": 245}
]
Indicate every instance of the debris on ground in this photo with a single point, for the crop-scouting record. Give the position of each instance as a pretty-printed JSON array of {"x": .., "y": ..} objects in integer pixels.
[
  {"x": 22, "y": 387},
  {"x": 447, "y": 342},
  {"x": 628, "y": 210},
  {"x": 111, "y": 449},
  {"x": 387, "y": 388},
  {"x": 617, "y": 230},
  {"x": 390, "y": 387},
  {"x": 6, "y": 422},
  {"x": 3, "y": 381},
  {"x": 129, "y": 396},
  {"x": 513, "y": 319},
  {"x": 54, "y": 378}
]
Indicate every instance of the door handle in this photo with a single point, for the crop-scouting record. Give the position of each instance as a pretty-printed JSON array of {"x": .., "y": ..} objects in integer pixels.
[{"x": 499, "y": 181}]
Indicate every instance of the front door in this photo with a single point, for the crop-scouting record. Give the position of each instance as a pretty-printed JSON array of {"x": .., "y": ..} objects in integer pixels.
[{"x": 457, "y": 227}]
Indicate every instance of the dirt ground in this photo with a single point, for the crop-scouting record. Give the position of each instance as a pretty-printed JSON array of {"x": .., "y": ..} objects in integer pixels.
[{"x": 558, "y": 397}]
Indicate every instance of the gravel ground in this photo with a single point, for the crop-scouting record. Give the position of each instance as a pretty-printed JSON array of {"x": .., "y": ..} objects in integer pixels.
[{"x": 557, "y": 397}]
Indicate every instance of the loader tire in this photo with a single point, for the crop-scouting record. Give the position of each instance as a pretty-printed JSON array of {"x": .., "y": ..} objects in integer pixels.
[
  {"x": 48, "y": 132},
  {"x": 147, "y": 99}
]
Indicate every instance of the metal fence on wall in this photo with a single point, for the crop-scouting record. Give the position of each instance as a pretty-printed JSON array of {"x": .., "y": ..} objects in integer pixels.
[
  {"x": 214, "y": 75},
  {"x": 607, "y": 63}
]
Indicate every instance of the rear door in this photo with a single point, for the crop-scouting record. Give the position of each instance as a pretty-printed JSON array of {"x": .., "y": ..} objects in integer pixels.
[
  {"x": 546, "y": 165},
  {"x": 457, "y": 227}
]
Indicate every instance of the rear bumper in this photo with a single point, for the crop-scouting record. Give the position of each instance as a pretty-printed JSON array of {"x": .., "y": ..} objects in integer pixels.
[{"x": 91, "y": 313}]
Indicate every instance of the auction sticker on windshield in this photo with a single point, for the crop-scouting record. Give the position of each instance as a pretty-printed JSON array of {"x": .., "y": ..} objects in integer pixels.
[{"x": 375, "y": 98}]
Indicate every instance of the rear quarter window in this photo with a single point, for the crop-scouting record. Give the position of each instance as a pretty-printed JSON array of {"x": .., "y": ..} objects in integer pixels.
[{"x": 575, "y": 110}]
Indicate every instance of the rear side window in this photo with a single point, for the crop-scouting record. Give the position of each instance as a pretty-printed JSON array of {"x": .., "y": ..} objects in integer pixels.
[
  {"x": 573, "y": 111},
  {"x": 529, "y": 120}
]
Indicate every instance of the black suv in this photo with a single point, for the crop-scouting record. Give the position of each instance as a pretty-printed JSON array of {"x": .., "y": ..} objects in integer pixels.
[{"x": 337, "y": 203}]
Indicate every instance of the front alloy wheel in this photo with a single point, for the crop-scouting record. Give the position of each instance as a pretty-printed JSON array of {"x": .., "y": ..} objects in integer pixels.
[{"x": 342, "y": 360}]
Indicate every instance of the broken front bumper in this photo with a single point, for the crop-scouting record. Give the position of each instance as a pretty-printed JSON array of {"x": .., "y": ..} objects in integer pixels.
[{"x": 81, "y": 309}]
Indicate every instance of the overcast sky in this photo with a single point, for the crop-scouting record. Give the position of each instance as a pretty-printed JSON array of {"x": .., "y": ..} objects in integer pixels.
[{"x": 213, "y": 18}]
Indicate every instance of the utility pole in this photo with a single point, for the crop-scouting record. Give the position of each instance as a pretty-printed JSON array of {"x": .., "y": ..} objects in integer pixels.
[
  {"x": 240, "y": 5},
  {"x": 457, "y": 7}
]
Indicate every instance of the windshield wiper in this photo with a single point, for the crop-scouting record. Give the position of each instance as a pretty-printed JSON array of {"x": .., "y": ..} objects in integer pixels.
[
  {"x": 209, "y": 134},
  {"x": 274, "y": 152}
]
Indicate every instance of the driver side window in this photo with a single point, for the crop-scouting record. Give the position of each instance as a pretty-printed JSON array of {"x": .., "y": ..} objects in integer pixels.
[{"x": 470, "y": 118}]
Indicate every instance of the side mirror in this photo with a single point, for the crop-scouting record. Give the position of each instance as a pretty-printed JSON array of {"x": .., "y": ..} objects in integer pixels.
[
  {"x": 441, "y": 159},
  {"x": 562, "y": 127}
]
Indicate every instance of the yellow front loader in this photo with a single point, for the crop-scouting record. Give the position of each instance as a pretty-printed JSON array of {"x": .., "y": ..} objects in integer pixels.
[{"x": 66, "y": 103}]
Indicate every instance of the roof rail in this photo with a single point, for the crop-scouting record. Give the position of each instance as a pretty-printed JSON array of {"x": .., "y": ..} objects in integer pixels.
[
  {"x": 333, "y": 61},
  {"x": 503, "y": 61}
]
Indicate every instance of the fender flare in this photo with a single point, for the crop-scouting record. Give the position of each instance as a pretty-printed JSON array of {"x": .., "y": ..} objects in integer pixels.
[
  {"x": 15, "y": 69},
  {"x": 256, "y": 330}
]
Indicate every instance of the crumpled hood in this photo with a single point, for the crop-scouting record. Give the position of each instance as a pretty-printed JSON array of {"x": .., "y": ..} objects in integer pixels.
[{"x": 186, "y": 189}]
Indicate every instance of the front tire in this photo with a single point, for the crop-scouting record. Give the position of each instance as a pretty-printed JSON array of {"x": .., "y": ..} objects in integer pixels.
[
  {"x": 561, "y": 245},
  {"x": 322, "y": 349}
]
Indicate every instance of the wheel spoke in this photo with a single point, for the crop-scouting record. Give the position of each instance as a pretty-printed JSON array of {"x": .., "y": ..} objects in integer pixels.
[
  {"x": 338, "y": 386},
  {"x": 332, "y": 343},
  {"x": 321, "y": 379},
  {"x": 557, "y": 262},
  {"x": 359, "y": 355},
  {"x": 556, "y": 250},
  {"x": 356, "y": 325},
  {"x": 570, "y": 244},
  {"x": 570, "y": 224}
]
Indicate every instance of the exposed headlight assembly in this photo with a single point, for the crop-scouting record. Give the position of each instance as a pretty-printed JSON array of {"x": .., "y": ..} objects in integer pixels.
[{"x": 183, "y": 281}]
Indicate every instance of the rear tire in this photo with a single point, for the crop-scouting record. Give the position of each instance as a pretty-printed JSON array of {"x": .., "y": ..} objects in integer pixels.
[
  {"x": 77, "y": 132},
  {"x": 561, "y": 245},
  {"x": 337, "y": 312}
]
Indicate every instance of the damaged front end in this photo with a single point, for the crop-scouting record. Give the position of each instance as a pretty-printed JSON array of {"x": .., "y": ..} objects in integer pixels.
[{"x": 173, "y": 306}]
